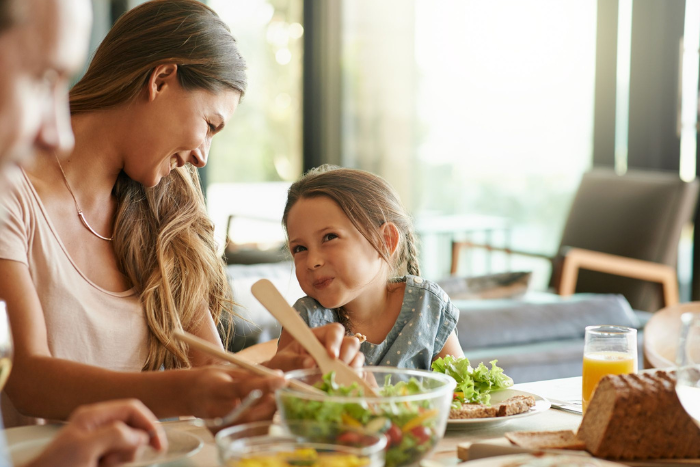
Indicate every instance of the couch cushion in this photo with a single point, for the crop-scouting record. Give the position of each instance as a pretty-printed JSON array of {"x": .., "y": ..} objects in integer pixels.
[
  {"x": 536, "y": 361},
  {"x": 542, "y": 360},
  {"x": 494, "y": 323}
]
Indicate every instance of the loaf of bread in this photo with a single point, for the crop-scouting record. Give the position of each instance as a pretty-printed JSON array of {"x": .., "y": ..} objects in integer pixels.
[{"x": 639, "y": 417}]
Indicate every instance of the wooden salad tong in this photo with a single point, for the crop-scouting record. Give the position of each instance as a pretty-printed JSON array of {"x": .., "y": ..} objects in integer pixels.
[
  {"x": 272, "y": 299},
  {"x": 210, "y": 349}
]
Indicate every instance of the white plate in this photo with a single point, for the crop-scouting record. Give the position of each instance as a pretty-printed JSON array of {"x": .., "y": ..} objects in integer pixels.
[
  {"x": 541, "y": 405},
  {"x": 552, "y": 460},
  {"x": 27, "y": 442}
]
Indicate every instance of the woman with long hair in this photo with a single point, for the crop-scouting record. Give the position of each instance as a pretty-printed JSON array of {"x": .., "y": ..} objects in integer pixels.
[{"x": 107, "y": 251}]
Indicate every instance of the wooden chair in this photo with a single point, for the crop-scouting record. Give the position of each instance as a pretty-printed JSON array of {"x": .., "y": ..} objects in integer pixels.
[
  {"x": 621, "y": 236},
  {"x": 661, "y": 335}
]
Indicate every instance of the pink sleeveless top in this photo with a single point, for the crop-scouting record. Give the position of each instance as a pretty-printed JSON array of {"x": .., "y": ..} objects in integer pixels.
[{"x": 85, "y": 323}]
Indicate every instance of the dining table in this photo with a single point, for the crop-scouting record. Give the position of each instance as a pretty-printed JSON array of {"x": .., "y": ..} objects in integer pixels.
[{"x": 567, "y": 390}]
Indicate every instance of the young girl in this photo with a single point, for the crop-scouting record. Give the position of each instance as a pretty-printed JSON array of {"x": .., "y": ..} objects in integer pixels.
[{"x": 355, "y": 258}]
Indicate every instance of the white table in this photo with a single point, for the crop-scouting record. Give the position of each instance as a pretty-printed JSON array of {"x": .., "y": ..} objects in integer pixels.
[
  {"x": 446, "y": 451},
  {"x": 565, "y": 389}
]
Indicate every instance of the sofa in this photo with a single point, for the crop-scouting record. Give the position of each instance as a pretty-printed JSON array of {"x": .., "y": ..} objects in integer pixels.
[{"x": 535, "y": 337}]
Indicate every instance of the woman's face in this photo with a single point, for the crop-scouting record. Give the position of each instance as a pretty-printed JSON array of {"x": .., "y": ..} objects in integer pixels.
[{"x": 176, "y": 127}]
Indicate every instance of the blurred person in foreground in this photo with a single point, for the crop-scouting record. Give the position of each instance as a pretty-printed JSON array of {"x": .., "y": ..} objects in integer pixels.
[{"x": 43, "y": 43}]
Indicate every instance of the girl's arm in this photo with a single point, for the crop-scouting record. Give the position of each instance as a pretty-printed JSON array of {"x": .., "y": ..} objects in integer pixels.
[
  {"x": 43, "y": 386},
  {"x": 451, "y": 347}
]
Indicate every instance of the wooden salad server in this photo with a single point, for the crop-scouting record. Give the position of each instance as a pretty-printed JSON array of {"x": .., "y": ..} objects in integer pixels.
[
  {"x": 210, "y": 349},
  {"x": 272, "y": 299}
]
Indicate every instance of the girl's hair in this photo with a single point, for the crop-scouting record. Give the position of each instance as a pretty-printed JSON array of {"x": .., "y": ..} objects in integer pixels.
[
  {"x": 369, "y": 202},
  {"x": 163, "y": 239}
]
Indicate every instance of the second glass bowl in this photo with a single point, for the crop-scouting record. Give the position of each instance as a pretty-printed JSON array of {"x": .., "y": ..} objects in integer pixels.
[{"x": 299, "y": 444}]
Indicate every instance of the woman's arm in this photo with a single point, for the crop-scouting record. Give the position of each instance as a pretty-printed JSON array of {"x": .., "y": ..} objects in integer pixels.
[
  {"x": 451, "y": 347},
  {"x": 205, "y": 329},
  {"x": 43, "y": 386},
  {"x": 285, "y": 340}
]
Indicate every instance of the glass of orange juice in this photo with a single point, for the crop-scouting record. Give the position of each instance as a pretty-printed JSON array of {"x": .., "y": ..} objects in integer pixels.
[{"x": 608, "y": 350}]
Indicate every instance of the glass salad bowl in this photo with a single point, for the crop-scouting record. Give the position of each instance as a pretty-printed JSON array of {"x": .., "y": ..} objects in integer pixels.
[
  {"x": 411, "y": 409},
  {"x": 303, "y": 443}
]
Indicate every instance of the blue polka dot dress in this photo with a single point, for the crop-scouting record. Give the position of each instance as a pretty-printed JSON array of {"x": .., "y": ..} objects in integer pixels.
[{"x": 426, "y": 320}]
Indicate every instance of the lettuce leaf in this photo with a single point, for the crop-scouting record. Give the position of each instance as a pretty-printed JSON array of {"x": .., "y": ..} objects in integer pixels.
[{"x": 474, "y": 385}]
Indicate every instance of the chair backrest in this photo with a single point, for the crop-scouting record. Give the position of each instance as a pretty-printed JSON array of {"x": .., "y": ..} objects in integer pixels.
[{"x": 637, "y": 215}]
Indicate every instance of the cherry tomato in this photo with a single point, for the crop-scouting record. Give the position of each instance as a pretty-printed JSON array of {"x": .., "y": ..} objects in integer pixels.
[
  {"x": 421, "y": 433},
  {"x": 394, "y": 435},
  {"x": 350, "y": 438}
]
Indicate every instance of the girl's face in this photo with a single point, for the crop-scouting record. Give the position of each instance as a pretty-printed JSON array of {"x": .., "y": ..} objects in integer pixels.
[
  {"x": 176, "y": 128},
  {"x": 334, "y": 263}
]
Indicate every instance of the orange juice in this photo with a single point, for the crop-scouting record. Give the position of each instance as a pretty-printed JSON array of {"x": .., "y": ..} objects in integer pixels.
[{"x": 598, "y": 364}]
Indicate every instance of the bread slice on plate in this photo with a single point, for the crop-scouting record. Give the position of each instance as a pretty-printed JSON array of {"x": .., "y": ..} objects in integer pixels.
[
  {"x": 512, "y": 406},
  {"x": 565, "y": 439},
  {"x": 515, "y": 405}
]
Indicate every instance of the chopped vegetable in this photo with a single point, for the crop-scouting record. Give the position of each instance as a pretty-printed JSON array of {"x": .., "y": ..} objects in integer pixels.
[
  {"x": 410, "y": 427},
  {"x": 300, "y": 458}
]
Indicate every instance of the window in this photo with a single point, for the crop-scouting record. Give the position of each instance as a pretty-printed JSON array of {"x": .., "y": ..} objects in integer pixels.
[
  {"x": 473, "y": 109},
  {"x": 262, "y": 143}
]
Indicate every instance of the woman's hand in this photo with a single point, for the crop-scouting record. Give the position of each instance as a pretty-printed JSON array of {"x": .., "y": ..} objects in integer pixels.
[
  {"x": 217, "y": 390},
  {"x": 292, "y": 356},
  {"x": 103, "y": 434}
]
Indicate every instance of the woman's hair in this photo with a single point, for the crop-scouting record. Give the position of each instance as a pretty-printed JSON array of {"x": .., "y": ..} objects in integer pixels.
[
  {"x": 182, "y": 32},
  {"x": 163, "y": 239},
  {"x": 369, "y": 202}
]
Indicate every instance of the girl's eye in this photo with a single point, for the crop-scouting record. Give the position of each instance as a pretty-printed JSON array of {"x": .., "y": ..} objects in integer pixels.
[
  {"x": 298, "y": 249},
  {"x": 329, "y": 236}
]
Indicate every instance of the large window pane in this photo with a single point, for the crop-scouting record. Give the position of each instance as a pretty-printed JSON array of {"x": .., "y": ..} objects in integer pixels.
[
  {"x": 473, "y": 108},
  {"x": 262, "y": 143}
]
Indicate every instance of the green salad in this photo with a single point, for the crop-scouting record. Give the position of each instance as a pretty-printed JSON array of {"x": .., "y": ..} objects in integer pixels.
[
  {"x": 410, "y": 427},
  {"x": 474, "y": 385}
]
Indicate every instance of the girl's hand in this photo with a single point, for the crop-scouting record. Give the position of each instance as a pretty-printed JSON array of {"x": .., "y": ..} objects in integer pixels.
[
  {"x": 216, "y": 390},
  {"x": 293, "y": 356},
  {"x": 103, "y": 434}
]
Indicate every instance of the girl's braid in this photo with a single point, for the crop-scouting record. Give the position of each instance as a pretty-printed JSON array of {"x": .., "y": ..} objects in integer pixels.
[{"x": 411, "y": 252}]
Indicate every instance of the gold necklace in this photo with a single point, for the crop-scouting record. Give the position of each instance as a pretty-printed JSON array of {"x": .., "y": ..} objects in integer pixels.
[{"x": 80, "y": 211}]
